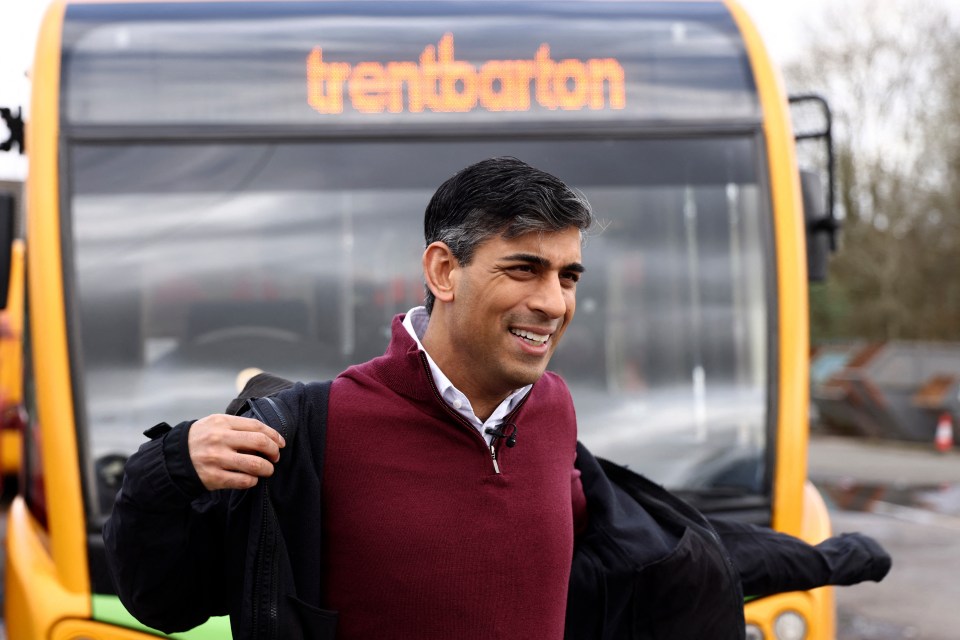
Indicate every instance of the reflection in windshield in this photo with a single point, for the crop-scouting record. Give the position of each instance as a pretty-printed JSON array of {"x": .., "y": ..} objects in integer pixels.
[{"x": 294, "y": 259}]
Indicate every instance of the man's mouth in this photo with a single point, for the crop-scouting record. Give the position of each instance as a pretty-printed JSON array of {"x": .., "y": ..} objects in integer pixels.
[{"x": 535, "y": 339}]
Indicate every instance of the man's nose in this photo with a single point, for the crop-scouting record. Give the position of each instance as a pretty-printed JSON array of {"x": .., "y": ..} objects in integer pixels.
[{"x": 550, "y": 298}]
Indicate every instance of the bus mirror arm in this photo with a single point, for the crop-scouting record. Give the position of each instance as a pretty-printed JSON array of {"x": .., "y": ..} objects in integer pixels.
[
  {"x": 812, "y": 107},
  {"x": 7, "y": 213}
]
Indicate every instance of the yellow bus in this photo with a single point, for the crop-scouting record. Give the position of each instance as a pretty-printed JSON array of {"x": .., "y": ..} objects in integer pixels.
[{"x": 219, "y": 185}]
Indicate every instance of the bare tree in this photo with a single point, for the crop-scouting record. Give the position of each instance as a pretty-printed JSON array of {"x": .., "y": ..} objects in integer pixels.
[{"x": 887, "y": 66}]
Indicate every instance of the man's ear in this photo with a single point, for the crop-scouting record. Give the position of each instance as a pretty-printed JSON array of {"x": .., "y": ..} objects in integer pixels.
[{"x": 439, "y": 270}]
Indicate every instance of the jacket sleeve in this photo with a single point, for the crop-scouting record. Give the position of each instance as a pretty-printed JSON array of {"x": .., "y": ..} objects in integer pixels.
[
  {"x": 772, "y": 562},
  {"x": 166, "y": 539}
]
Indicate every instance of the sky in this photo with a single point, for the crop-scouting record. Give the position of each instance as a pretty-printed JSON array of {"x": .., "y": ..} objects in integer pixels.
[{"x": 777, "y": 21}]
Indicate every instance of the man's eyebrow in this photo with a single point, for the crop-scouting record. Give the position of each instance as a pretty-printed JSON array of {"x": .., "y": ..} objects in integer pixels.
[{"x": 533, "y": 258}]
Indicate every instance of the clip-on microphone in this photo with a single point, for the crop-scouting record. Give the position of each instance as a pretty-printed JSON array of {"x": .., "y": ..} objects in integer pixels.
[{"x": 508, "y": 431}]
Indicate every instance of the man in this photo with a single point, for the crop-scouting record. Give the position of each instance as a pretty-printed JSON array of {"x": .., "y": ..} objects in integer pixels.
[
  {"x": 433, "y": 526},
  {"x": 447, "y": 497}
]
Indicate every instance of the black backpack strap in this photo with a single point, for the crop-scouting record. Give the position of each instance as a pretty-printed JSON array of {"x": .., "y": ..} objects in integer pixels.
[
  {"x": 315, "y": 399},
  {"x": 259, "y": 396},
  {"x": 259, "y": 386},
  {"x": 271, "y": 605}
]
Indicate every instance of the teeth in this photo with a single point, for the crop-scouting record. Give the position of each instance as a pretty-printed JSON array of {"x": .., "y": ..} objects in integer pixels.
[{"x": 536, "y": 338}]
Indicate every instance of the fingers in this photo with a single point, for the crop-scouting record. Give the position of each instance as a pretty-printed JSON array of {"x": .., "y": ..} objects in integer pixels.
[
  {"x": 214, "y": 479},
  {"x": 232, "y": 452},
  {"x": 239, "y": 423}
]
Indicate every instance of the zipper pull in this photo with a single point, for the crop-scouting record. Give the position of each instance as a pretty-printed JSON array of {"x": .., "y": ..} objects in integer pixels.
[{"x": 493, "y": 456}]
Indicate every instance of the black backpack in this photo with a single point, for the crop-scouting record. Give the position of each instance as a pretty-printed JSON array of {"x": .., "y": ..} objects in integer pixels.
[{"x": 280, "y": 582}]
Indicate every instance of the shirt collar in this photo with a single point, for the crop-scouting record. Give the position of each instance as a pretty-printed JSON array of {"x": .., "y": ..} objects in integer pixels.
[{"x": 415, "y": 322}]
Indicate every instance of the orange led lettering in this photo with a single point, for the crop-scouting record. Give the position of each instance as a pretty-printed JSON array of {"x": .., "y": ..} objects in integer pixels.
[
  {"x": 404, "y": 74},
  {"x": 544, "y": 87},
  {"x": 428, "y": 81},
  {"x": 505, "y": 85},
  {"x": 570, "y": 85},
  {"x": 440, "y": 83},
  {"x": 607, "y": 70},
  {"x": 325, "y": 83},
  {"x": 454, "y": 74},
  {"x": 368, "y": 88}
]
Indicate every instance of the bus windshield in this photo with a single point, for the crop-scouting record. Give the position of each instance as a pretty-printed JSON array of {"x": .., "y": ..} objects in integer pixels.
[{"x": 193, "y": 261}]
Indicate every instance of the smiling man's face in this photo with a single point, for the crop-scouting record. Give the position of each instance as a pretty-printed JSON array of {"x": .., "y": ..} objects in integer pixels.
[{"x": 509, "y": 309}]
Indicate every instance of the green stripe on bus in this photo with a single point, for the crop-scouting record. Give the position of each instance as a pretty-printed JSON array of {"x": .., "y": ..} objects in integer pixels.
[{"x": 109, "y": 610}]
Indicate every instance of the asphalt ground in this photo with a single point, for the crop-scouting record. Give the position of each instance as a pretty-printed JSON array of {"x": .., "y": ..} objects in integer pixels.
[
  {"x": 907, "y": 497},
  {"x": 919, "y": 599}
]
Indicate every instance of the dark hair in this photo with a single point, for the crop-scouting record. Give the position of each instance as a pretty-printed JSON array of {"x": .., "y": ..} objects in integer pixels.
[{"x": 500, "y": 196}]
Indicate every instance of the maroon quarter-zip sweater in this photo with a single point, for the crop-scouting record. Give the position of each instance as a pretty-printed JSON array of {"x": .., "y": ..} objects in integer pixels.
[{"x": 425, "y": 537}]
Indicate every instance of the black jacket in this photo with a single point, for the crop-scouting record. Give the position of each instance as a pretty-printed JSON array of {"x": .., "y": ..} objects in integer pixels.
[
  {"x": 648, "y": 566},
  {"x": 179, "y": 554}
]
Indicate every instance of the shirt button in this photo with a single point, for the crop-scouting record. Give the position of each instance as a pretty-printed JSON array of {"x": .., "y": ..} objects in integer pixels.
[{"x": 457, "y": 404}]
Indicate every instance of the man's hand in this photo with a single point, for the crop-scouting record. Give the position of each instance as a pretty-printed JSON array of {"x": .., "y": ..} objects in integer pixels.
[{"x": 231, "y": 452}]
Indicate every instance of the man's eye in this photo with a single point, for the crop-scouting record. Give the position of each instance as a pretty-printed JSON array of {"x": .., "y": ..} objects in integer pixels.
[
  {"x": 521, "y": 268},
  {"x": 573, "y": 276}
]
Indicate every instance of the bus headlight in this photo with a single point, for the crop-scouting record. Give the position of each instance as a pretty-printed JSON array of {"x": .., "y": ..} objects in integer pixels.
[
  {"x": 790, "y": 625},
  {"x": 754, "y": 632}
]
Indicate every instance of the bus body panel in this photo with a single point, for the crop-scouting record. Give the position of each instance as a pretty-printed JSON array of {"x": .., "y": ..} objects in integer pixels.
[
  {"x": 817, "y": 606},
  {"x": 762, "y": 613},
  {"x": 34, "y": 591},
  {"x": 46, "y": 570},
  {"x": 11, "y": 367},
  {"x": 793, "y": 316},
  {"x": 798, "y": 507},
  {"x": 82, "y": 629}
]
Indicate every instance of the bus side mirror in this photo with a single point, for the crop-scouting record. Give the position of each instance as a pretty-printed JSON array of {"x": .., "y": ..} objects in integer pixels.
[
  {"x": 818, "y": 237},
  {"x": 813, "y": 123},
  {"x": 7, "y": 214}
]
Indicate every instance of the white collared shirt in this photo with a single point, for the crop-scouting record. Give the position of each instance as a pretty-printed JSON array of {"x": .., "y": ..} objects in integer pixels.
[{"x": 415, "y": 323}]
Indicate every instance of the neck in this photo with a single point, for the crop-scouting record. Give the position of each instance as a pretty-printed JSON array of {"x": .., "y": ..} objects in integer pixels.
[{"x": 483, "y": 402}]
